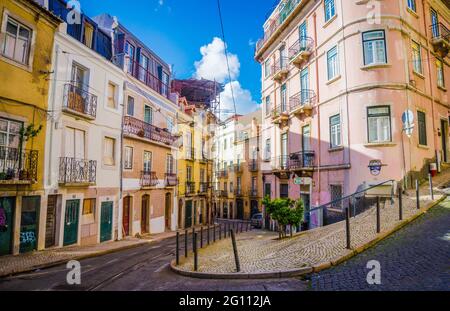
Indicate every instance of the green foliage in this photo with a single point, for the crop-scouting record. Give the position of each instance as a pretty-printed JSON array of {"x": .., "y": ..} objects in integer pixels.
[
  {"x": 285, "y": 212},
  {"x": 29, "y": 132}
]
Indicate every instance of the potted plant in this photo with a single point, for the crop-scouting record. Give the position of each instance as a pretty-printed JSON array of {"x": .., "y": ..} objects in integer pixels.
[{"x": 25, "y": 134}]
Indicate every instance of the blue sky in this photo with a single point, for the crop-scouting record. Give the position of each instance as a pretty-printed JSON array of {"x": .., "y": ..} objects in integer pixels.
[{"x": 177, "y": 29}]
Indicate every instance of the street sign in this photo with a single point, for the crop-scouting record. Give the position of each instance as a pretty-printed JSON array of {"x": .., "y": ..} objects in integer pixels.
[
  {"x": 302, "y": 181},
  {"x": 408, "y": 122}
]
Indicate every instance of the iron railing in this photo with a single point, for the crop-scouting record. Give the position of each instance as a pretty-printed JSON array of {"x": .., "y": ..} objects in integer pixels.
[
  {"x": 238, "y": 192},
  {"x": 190, "y": 153},
  {"x": 253, "y": 192},
  {"x": 223, "y": 173},
  {"x": 302, "y": 99},
  {"x": 149, "y": 179},
  {"x": 79, "y": 100},
  {"x": 280, "y": 64},
  {"x": 253, "y": 166},
  {"x": 16, "y": 165},
  {"x": 304, "y": 44},
  {"x": 237, "y": 168},
  {"x": 77, "y": 171},
  {"x": 301, "y": 159},
  {"x": 190, "y": 188},
  {"x": 171, "y": 179},
  {"x": 133, "y": 126},
  {"x": 281, "y": 109},
  {"x": 440, "y": 31},
  {"x": 281, "y": 163},
  {"x": 203, "y": 187}
]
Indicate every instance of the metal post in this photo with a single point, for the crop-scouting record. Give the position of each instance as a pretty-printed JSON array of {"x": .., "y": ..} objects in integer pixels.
[
  {"x": 430, "y": 181},
  {"x": 195, "y": 252},
  {"x": 193, "y": 236},
  {"x": 207, "y": 236},
  {"x": 417, "y": 194},
  {"x": 236, "y": 256},
  {"x": 220, "y": 231},
  {"x": 214, "y": 233},
  {"x": 185, "y": 243},
  {"x": 378, "y": 215},
  {"x": 201, "y": 237},
  {"x": 400, "y": 203},
  {"x": 347, "y": 226},
  {"x": 177, "y": 252}
]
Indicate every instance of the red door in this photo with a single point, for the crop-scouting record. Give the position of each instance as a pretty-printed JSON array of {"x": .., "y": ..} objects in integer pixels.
[{"x": 126, "y": 216}]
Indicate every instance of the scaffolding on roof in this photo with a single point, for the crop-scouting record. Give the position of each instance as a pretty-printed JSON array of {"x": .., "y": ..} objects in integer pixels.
[{"x": 201, "y": 93}]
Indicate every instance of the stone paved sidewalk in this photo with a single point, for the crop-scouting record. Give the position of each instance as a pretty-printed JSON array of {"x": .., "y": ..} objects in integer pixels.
[{"x": 262, "y": 252}]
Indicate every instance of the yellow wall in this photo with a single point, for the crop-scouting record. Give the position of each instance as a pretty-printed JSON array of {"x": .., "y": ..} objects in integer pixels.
[{"x": 24, "y": 91}]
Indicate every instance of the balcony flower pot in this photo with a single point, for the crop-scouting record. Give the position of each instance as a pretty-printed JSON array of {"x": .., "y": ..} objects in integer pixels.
[
  {"x": 3, "y": 176},
  {"x": 141, "y": 133}
]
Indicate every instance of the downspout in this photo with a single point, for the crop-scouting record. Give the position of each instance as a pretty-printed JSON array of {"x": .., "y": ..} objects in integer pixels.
[
  {"x": 319, "y": 162},
  {"x": 120, "y": 210},
  {"x": 431, "y": 89},
  {"x": 52, "y": 120}
]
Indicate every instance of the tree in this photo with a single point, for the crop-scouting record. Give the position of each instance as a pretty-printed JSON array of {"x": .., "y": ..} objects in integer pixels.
[{"x": 285, "y": 212}]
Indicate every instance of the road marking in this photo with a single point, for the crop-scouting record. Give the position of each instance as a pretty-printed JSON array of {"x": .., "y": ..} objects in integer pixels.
[
  {"x": 111, "y": 261},
  {"x": 162, "y": 268}
]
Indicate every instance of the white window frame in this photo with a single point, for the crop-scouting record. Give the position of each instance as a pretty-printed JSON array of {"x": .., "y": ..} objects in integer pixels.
[
  {"x": 128, "y": 158},
  {"x": 440, "y": 73},
  {"x": 335, "y": 132},
  {"x": 147, "y": 164},
  {"x": 330, "y": 9},
  {"x": 116, "y": 95},
  {"x": 333, "y": 63},
  {"x": 114, "y": 140},
  {"x": 417, "y": 57},
  {"x": 412, "y": 5},
  {"x": 379, "y": 130},
  {"x": 372, "y": 43}
]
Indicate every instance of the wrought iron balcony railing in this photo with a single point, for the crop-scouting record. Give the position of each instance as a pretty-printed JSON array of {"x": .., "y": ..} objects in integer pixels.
[
  {"x": 280, "y": 68},
  {"x": 80, "y": 101},
  {"x": 149, "y": 179},
  {"x": 440, "y": 31},
  {"x": 238, "y": 192},
  {"x": 302, "y": 159},
  {"x": 303, "y": 101},
  {"x": 281, "y": 163},
  {"x": 253, "y": 166},
  {"x": 237, "y": 168},
  {"x": 171, "y": 179},
  {"x": 133, "y": 126},
  {"x": 203, "y": 187},
  {"x": 189, "y": 153},
  {"x": 301, "y": 49},
  {"x": 17, "y": 167},
  {"x": 77, "y": 171},
  {"x": 253, "y": 193},
  {"x": 190, "y": 188},
  {"x": 223, "y": 173}
]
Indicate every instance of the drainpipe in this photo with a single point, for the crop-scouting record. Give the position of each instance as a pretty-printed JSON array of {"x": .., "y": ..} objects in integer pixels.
[
  {"x": 431, "y": 88},
  {"x": 120, "y": 209},
  {"x": 318, "y": 113},
  {"x": 52, "y": 120}
]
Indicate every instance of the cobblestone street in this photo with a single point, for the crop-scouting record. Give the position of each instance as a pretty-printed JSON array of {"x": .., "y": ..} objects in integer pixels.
[{"x": 415, "y": 258}]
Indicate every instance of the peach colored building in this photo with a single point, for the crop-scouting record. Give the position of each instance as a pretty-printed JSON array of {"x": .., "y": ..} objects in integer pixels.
[{"x": 337, "y": 76}]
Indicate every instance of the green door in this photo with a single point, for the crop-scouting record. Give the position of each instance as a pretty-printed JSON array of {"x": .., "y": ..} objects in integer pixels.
[
  {"x": 188, "y": 215},
  {"x": 71, "y": 222},
  {"x": 6, "y": 225},
  {"x": 106, "y": 221},
  {"x": 28, "y": 223}
]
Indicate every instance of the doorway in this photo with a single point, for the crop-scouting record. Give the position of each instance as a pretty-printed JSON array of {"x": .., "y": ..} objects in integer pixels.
[
  {"x": 253, "y": 208},
  {"x": 240, "y": 209},
  {"x": 71, "y": 220},
  {"x": 7, "y": 209},
  {"x": 144, "y": 213},
  {"x": 188, "y": 215},
  {"x": 180, "y": 214},
  {"x": 168, "y": 211},
  {"x": 106, "y": 221},
  {"x": 126, "y": 216},
  {"x": 50, "y": 224},
  {"x": 444, "y": 136}
]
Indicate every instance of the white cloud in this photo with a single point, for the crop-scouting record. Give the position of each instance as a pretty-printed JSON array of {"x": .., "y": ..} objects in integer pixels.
[
  {"x": 242, "y": 97},
  {"x": 213, "y": 64},
  {"x": 251, "y": 42}
]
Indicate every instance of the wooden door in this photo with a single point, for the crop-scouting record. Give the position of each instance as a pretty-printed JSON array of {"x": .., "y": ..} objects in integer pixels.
[
  {"x": 106, "y": 221},
  {"x": 188, "y": 215},
  {"x": 126, "y": 216},
  {"x": 50, "y": 224},
  {"x": 71, "y": 219},
  {"x": 168, "y": 210},
  {"x": 28, "y": 223},
  {"x": 7, "y": 207},
  {"x": 144, "y": 214}
]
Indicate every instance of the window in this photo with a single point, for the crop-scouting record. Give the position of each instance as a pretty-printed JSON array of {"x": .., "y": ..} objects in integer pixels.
[
  {"x": 283, "y": 98},
  {"x": 128, "y": 164},
  {"x": 267, "y": 68},
  {"x": 112, "y": 100},
  {"x": 412, "y": 5},
  {"x": 202, "y": 175},
  {"x": 88, "y": 35},
  {"x": 284, "y": 191},
  {"x": 379, "y": 124},
  {"x": 170, "y": 125},
  {"x": 225, "y": 144},
  {"x": 129, "y": 50},
  {"x": 88, "y": 206},
  {"x": 374, "y": 44},
  {"x": 267, "y": 190},
  {"x": 330, "y": 9},
  {"x": 147, "y": 161},
  {"x": 267, "y": 150},
  {"x": 143, "y": 67},
  {"x": 335, "y": 131},
  {"x": 189, "y": 173},
  {"x": 231, "y": 187},
  {"x": 336, "y": 194},
  {"x": 16, "y": 45},
  {"x": 239, "y": 183},
  {"x": 9, "y": 133},
  {"x": 332, "y": 63},
  {"x": 253, "y": 183},
  {"x": 80, "y": 77},
  {"x": 130, "y": 106},
  {"x": 74, "y": 141},
  {"x": 422, "y": 128},
  {"x": 440, "y": 73},
  {"x": 268, "y": 104},
  {"x": 416, "y": 57},
  {"x": 109, "y": 151},
  {"x": 169, "y": 164},
  {"x": 148, "y": 114}
]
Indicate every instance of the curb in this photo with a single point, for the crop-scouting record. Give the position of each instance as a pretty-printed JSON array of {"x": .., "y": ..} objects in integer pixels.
[{"x": 307, "y": 270}]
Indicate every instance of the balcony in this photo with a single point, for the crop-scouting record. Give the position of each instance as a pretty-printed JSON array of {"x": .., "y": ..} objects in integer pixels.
[
  {"x": 440, "y": 39},
  {"x": 253, "y": 166},
  {"x": 280, "y": 115},
  {"x": 74, "y": 171},
  {"x": 280, "y": 69},
  {"x": 189, "y": 153},
  {"x": 203, "y": 188},
  {"x": 300, "y": 51},
  {"x": 302, "y": 160},
  {"x": 302, "y": 103},
  {"x": 171, "y": 180},
  {"x": 253, "y": 193},
  {"x": 280, "y": 167},
  {"x": 79, "y": 101},
  {"x": 190, "y": 188},
  {"x": 237, "y": 168},
  {"x": 238, "y": 192},
  {"x": 149, "y": 179},
  {"x": 139, "y": 128},
  {"x": 18, "y": 167},
  {"x": 224, "y": 193},
  {"x": 223, "y": 173}
]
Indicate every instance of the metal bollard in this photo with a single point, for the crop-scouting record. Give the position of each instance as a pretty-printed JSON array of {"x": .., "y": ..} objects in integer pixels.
[
  {"x": 220, "y": 231},
  {"x": 201, "y": 237},
  {"x": 400, "y": 203},
  {"x": 347, "y": 226},
  {"x": 235, "y": 251},
  {"x": 207, "y": 236},
  {"x": 214, "y": 233},
  {"x": 417, "y": 194},
  {"x": 177, "y": 252},
  {"x": 430, "y": 181},
  {"x": 378, "y": 215},
  {"x": 193, "y": 237},
  {"x": 185, "y": 243},
  {"x": 194, "y": 246}
]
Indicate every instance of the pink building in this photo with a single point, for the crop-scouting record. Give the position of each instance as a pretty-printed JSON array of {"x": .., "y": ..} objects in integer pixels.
[{"x": 337, "y": 75}]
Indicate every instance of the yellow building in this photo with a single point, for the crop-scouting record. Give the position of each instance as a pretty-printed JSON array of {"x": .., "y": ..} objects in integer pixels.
[{"x": 26, "y": 41}]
